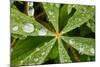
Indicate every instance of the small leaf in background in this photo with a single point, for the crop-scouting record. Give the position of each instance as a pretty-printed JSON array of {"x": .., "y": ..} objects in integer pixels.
[
  {"x": 63, "y": 55},
  {"x": 83, "y": 45}
]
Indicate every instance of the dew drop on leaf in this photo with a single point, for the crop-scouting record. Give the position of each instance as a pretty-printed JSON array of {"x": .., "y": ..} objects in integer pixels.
[
  {"x": 37, "y": 49},
  {"x": 28, "y": 28},
  {"x": 31, "y": 12},
  {"x": 50, "y": 12},
  {"x": 43, "y": 53},
  {"x": 81, "y": 49},
  {"x": 36, "y": 59},
  {"x": 71, "y": 41},
  {"x": 15, "y": 28},
  {"x": 92, "y": 50},
  {"x": 42, "y": 31},
  {"x": 80, "y": 19},
  {"x": 30, "y": 3},
  {"x": 21, "y": 61}
]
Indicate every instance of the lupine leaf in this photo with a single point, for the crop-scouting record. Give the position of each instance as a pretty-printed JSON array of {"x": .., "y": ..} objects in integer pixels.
[
  {"x": 52, "y": 11},
  {"x": 27, "y": 51},
  {"x": 83, "y": 45},
  {"x": 81, "y": 16},
  {"x": 24, "y": 25},
  {"x": 63, "y": 55},
  {"x": 63, "y": 16}
]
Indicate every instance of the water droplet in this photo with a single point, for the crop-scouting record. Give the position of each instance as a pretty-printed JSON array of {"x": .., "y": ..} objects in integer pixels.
[
  {"x": 28, "y": 28},
  {"x": 50, "y": 12},
  {"x": 71, "y": 41},
  {"x": 31, "y": 12},
  {"x": 92, "y": 50},
  {"x": 42, "y": 31},
  {"x": 21, "y": 61},
  {"x": 80, "y": 19},
  {"x": 81, "y": 49},
  {"x": 37, "y": 49},
  {"x": 36, "y": 59},
  {"x": 15, "y": 28},
  {"x": 57, "y": 5},
  {"x": 43, "y": 53},
  {"x": 30, "y": 3}
]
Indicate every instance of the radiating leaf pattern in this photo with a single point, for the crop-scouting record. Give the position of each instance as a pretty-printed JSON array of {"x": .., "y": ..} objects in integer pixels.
[{"x": 45, "y": 37}]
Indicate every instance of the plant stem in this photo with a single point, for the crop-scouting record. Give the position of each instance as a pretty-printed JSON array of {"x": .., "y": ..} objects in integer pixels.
[
  {"x": 13, "y": 42},
  {"x": 40, "y": 15},
  {"x": 25, "y": 8},
  {"x": 76, "y": 57}
]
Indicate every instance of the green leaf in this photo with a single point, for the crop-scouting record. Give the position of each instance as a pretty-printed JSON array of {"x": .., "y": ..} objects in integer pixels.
[
  {"x": 22, "y": 24},
  {"x": 24, "y": 47},
  {"x": 37, "y": 56},
  {"x": 64, "y": 57},
  {"x": 54, "y": 52},
  {"x": 63, "y": 17},
  {"x": 52, "y": 11},
  {"x": 81, "y": 15},
  {"x": 83, "y": 45}
]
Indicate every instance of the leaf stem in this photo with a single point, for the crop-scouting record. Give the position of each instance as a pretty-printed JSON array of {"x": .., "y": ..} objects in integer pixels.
[
  {"x": 76, "y": 57},
  {"x": 25, "y": 8},
  {"x": 13, "y": 42}
]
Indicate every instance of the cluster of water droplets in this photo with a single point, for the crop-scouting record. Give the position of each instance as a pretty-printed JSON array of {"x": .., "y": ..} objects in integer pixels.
[
  {"x": 30, "y": 9},
  {"x": 81, "y": 49},
  {"x": 42, "y": 31},
  {"x": 71, "y": 41},
  {"x": 15, "y": 28},
  {"x": 92, "y": 51}
]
